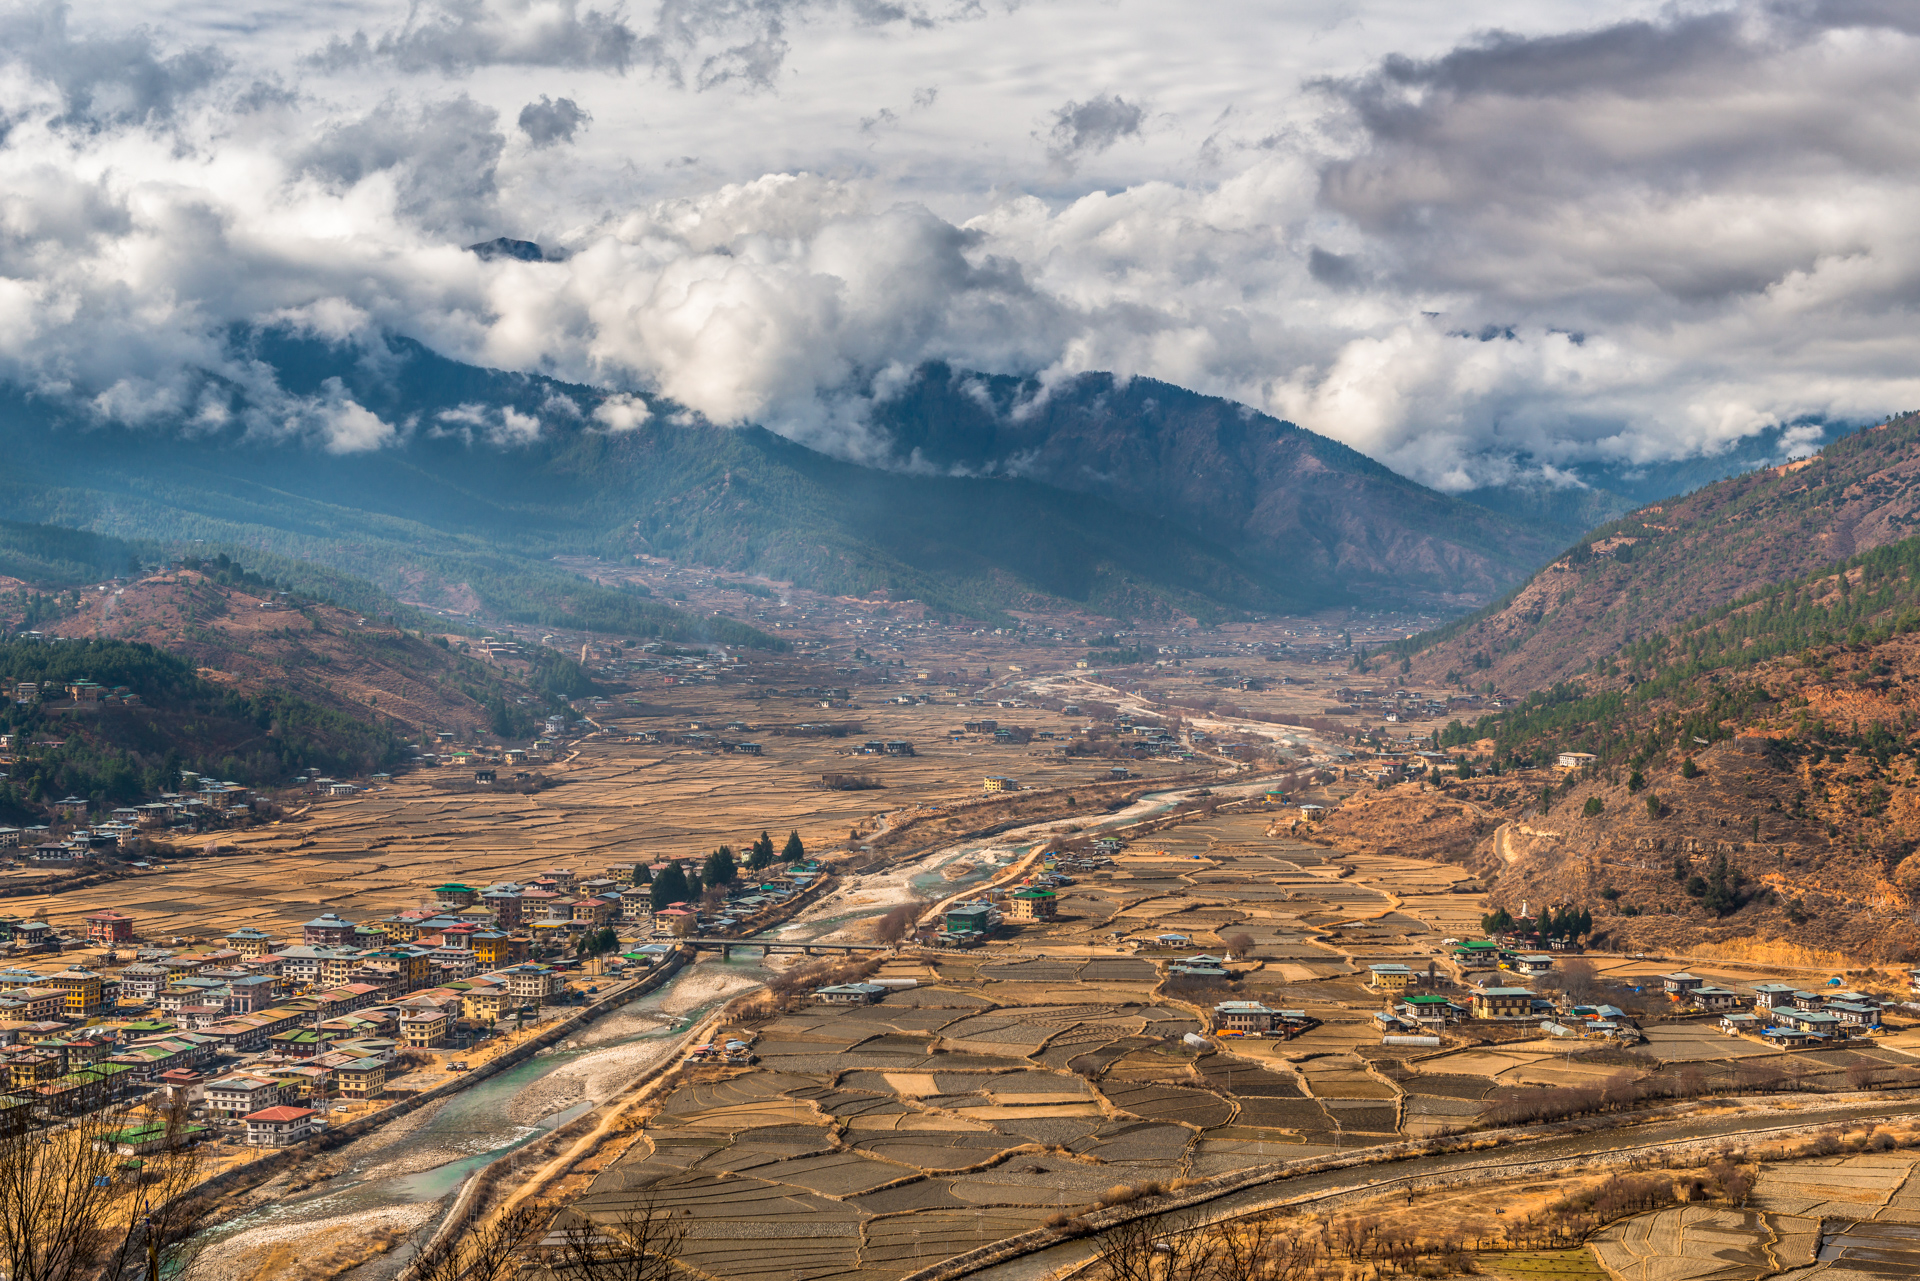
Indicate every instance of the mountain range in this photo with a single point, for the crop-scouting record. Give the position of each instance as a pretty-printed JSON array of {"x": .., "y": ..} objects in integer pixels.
[
  {"x": 1130, "y": 499},
  {"x": 979, "y": 494}
]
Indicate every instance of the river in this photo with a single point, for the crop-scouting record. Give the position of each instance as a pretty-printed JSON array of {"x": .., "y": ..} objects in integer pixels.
[{"x": 399, "y": 1178}]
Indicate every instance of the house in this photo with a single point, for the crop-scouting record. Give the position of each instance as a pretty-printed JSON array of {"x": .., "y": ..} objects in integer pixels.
[
  {"x": 240, "y": 1093},
  {"x": 970, "y": 918},
  {"x": 1678, "y": 985},
  {"x": 105, "y": 929},
  {"x": 1032, "y": 905},
  {"x": 999, "y": 783},
  {"x": 849, "y": 994},
  {"x": 1768, "y": 995},
  {"x": 1389, "y": 978},
  {"x": 1199, "y": 967},
  {"x": 361, "y": 1078},
  {"x": 140, "y": 1140},
  {"x": 483, "y": 777},
  {"x": 1812, "y": 1022},
  {"x": 424, "y": 1029},
  {"x": 1711, "y": 999},
  {"x": 1480, "y": 954},
  {"x": 328, "y": 930},
  {"x": 1245, "y": 1016},
  {"x": 84, "y": 990},
  {"x": 529, "y": 984},
  {"x": 279, "y": 1127},
  {"x": 1574, "y": 760},
  {"x": 1502, "y": 1003},
  {"x": 1428, "y": 1010},
  {"x": 1533, "y": 964},
  {"x": 250, "y": 943},
  {"x": 1854, "y": 1014}
]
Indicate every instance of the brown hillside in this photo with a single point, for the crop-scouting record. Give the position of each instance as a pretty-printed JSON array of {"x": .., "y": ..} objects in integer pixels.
[
  {"x": 332, "y": 656},
  {"x": 1819, "y": 828},
  {"x": 1664, "y": 563}
]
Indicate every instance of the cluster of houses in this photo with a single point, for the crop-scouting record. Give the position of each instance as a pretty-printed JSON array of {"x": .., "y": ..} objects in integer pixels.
[
  {"x": 315, "y": 1019},
  {"x": 1780, "y": 1013},
  {"x": 82, "y": 692},
  {"x": 1397, "y": 705},
  {"x": 202, "y": 804}
]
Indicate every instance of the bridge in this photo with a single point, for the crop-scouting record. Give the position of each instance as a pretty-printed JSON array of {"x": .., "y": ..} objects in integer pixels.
[{"x": 726, "y": 947}]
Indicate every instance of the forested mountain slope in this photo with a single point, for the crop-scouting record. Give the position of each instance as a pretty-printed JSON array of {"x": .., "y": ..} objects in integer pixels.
[
  {"x": 1271, "y": 491},
  {"x": 1754, "y": 782},
  {"x": 1650, "y": 570},
  {"x": 119, "y": 752},
  {"x": 1162, "y": 501}
]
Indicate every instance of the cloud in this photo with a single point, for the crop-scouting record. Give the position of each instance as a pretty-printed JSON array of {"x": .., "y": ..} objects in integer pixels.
[
  {"x": 1635, "y": 242},
  {"x": 121, "y": 79},
  {"x": 708, "y": 43},
  {"x": 440, "y": 158},
  {"x": 459, "y": 36},
  {"x": 546, "y": 122},
  {"x": 347, "y": 427},
  {"x": 621, "y": 412},
  {"x": 1082, "y": 129}
]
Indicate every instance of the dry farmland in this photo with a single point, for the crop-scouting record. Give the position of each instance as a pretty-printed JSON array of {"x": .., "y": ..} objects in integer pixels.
[{"x": 368, "y": 855}]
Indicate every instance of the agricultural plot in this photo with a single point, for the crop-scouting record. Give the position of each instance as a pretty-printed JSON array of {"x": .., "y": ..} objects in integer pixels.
[
  {"x": 372, "y": 854},
  {"x": 1840, "y": 1218}
]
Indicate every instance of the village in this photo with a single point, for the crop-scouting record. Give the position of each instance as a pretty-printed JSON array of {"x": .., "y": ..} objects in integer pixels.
[
  {"x": 1125, "y": 931},
  {"x": 266, "y": 1038}
]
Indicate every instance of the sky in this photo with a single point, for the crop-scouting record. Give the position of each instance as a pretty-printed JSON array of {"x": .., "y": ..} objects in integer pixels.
[{"x": 1480, "y": 242}]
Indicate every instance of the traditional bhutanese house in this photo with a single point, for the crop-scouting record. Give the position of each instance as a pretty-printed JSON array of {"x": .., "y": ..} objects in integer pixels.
[
  {"x": 1502, "y": 1003},
  {"x": 1032, "y": 904},
  {"x": 1389, "y": 977}
]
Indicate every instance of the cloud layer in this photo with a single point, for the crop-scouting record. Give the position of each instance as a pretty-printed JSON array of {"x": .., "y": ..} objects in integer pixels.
[{"x": 1502, "y": 251}]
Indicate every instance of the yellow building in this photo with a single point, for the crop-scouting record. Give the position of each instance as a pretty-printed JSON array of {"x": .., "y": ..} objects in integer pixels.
[
  {"x": 487, "y": 1004},
  {"x": 251, "y": 944},
  {"x": 492, "y": 949},
  {"x": 424, "y": 1030},
  {"x": 1032, "y": 905},
  {"x": 361, "y": 1079},
  {"x": 83, "y": 989},
  {"x": 1389, "y": 978}
]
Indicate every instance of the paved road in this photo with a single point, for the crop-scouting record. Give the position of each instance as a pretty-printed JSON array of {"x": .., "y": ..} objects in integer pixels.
[{"x": 1065, "y": 1257}]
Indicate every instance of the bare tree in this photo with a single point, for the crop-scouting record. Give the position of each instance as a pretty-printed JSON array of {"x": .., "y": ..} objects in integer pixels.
[
  {"x": 492, "y": 1252},
  {"x": 1244, "y": 1251},
  {"x": 57, "y": 1193},
  {"x": 160, "y": 1211},
  {"x": 1124, "y": 1252},
  {"x": 1239, "y": 945},
  {"x": 1577, "y": 978},
  {"x": 639, "y": 1243},
  {"x": 896, "y": 924}
]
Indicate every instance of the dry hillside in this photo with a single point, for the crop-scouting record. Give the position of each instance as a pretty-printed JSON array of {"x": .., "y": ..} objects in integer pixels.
[
  {"x": 1664, "y": 563},
  {"x": 334, "y": 657},
  {"x": 1813, "y": 804}
]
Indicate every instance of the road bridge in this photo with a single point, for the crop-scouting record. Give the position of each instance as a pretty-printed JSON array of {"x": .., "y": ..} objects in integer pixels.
[{"x": 726, "y": 947}]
